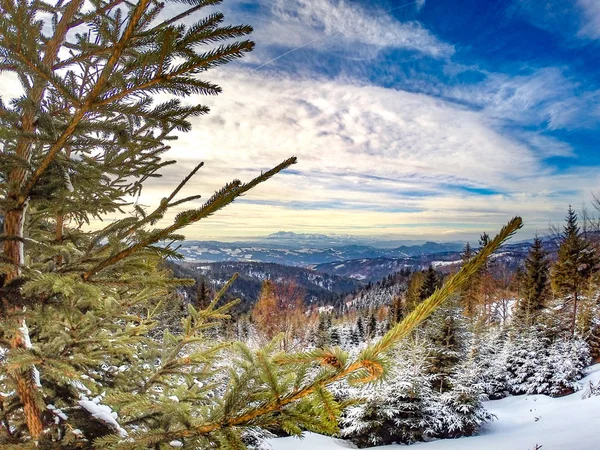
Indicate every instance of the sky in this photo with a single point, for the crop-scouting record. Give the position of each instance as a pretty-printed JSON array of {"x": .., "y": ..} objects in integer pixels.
[
  {"x": 427, "y": 119},
  {"x": 433, "y": 119}
]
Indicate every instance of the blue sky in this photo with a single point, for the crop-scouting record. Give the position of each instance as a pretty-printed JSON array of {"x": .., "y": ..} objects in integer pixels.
[{"x": 434, "y": 119}]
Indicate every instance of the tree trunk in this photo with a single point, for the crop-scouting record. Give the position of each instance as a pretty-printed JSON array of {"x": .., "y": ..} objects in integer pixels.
[
  {"x": 14, "y": 251},
  {"x": 26, "y": 391}
]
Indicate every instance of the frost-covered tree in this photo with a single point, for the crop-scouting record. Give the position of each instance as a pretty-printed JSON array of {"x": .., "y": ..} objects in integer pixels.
[
  {"x": 491, "y": 354},
  {"x": 535, "y": 365},
  {"x": 395, "y": 410},
  {"x": 459, "y": 411},
  {"x": 447, "y": 339},
  {"x": 407, "y": 407}
]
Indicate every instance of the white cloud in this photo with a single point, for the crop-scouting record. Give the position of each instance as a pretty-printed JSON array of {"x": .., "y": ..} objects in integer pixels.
[
  {"x": 341, "y": 25},
  {"x": 371, "y": 161},
  {"x": 591, "y": 18},
  {"x": 544, "y": 97}
]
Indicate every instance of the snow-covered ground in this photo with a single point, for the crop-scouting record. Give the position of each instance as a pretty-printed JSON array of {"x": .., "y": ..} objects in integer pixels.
[{"x": 522, "y": 423}]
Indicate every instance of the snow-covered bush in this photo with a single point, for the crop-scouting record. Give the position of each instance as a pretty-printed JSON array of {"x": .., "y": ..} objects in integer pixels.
[
  {"x": 409, "y": 407},
  {"x": 568, "y": 359},
  {"x": 459, "y": 411},
  {"x": 447, "y": 338},
  {"x": 527, "y": 363},
  {"x": 537, "y": 366},
  {"x": 396, "y": 409},
  {"x": 491, "y": 355}
]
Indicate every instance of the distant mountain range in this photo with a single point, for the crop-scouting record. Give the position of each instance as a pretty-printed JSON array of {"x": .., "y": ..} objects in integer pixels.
[
  {"x": 327, "y": 274},
  {"x": 304, "y": 250}
]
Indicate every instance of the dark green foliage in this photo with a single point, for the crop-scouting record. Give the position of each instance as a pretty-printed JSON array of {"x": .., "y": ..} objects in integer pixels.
[
  {"x": 446, "y": 337},
  {"x": 396, "y": 311},
  {"x": 334, "y": 337},
  {"x": 470, "y": 295},
  {"x": 371, "y": 328},
  {"x": 203, "y": 295},
  {"x": 360, "y": 328},
  {"x": 577, "y": 262},
  {"x": 535, "y": 285},
  {"x": 430, "y": 283}
]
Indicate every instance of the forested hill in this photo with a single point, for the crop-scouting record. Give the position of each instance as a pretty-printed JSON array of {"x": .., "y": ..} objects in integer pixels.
[{"x": 320, "y": 288}]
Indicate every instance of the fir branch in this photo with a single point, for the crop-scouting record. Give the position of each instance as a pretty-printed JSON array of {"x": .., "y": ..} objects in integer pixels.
[
  {"x": 368, "y": 364},
  {"x": 217, "y": 202}
]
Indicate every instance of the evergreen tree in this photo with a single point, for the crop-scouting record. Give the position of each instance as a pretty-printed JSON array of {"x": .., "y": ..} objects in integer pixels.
[
  {"x": 459, "y": 411},
  {"x": 413, "y": 291},
  {"x": 469, "y": 296},
  {"x": 354, "y": 339},
  {"x": 430, "y": 283},
  {"x": 535, "y": 284},
  {"x": 79, "y": 306},
  {"x": 491, "y": 355},
  {"x": 576, "y": 263},
  {"x": 396, "y": 311},
  {"x": 360, "y": 328},
  {"x": 397, "y": 411},
  {"x": 484, "y": 240},
  {"x": 371, "y": 329},
  {"x": 203, "y": 295},
  {"x": 334, "y": 337},
  {"x": 447, "y": 339},
  {"x": 535, "y": 365}
]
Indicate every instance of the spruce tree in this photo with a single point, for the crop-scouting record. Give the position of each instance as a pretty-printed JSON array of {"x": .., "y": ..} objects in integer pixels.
[
  {"x": 360, "y": 328},
  {"x": 447, "y": 339},
  {"x": 80, "y": 365},
  {"x": 334, "y": 337},
  {"x": 469, "y": 296},
  {"x": 430, "y": 283},
  {"x": 535, "y": 284},
  {"x": 396, "y": 311},
  {"x": 577, "y": 262},
  {"x": 371, "y": 328},
  {"x": 203, "y": 295},
  {"x": 413, "y": 291}
]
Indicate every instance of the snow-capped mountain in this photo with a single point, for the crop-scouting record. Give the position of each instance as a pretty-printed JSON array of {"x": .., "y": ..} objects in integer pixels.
[{"x": 303, "y": 250}]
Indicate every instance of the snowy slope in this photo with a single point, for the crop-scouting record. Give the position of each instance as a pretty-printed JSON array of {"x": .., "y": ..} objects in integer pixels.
[{"x": 522, "y": 423}]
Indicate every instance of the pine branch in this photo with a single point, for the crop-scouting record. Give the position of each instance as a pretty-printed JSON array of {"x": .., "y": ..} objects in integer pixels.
[
  {"x": 217, "y": 202},
  {"x": 366, "y": 367},
  {"x": 86, "y": 103}
]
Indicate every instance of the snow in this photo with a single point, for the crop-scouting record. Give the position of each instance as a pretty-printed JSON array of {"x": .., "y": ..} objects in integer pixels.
[
  {"x": 103, "y": 413},
  {"x": 310, "y": 441},
  {"x": 444, "y": 263},
  {"x": 36, "y": 376},
  {"x": 522, "y": 422}
]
